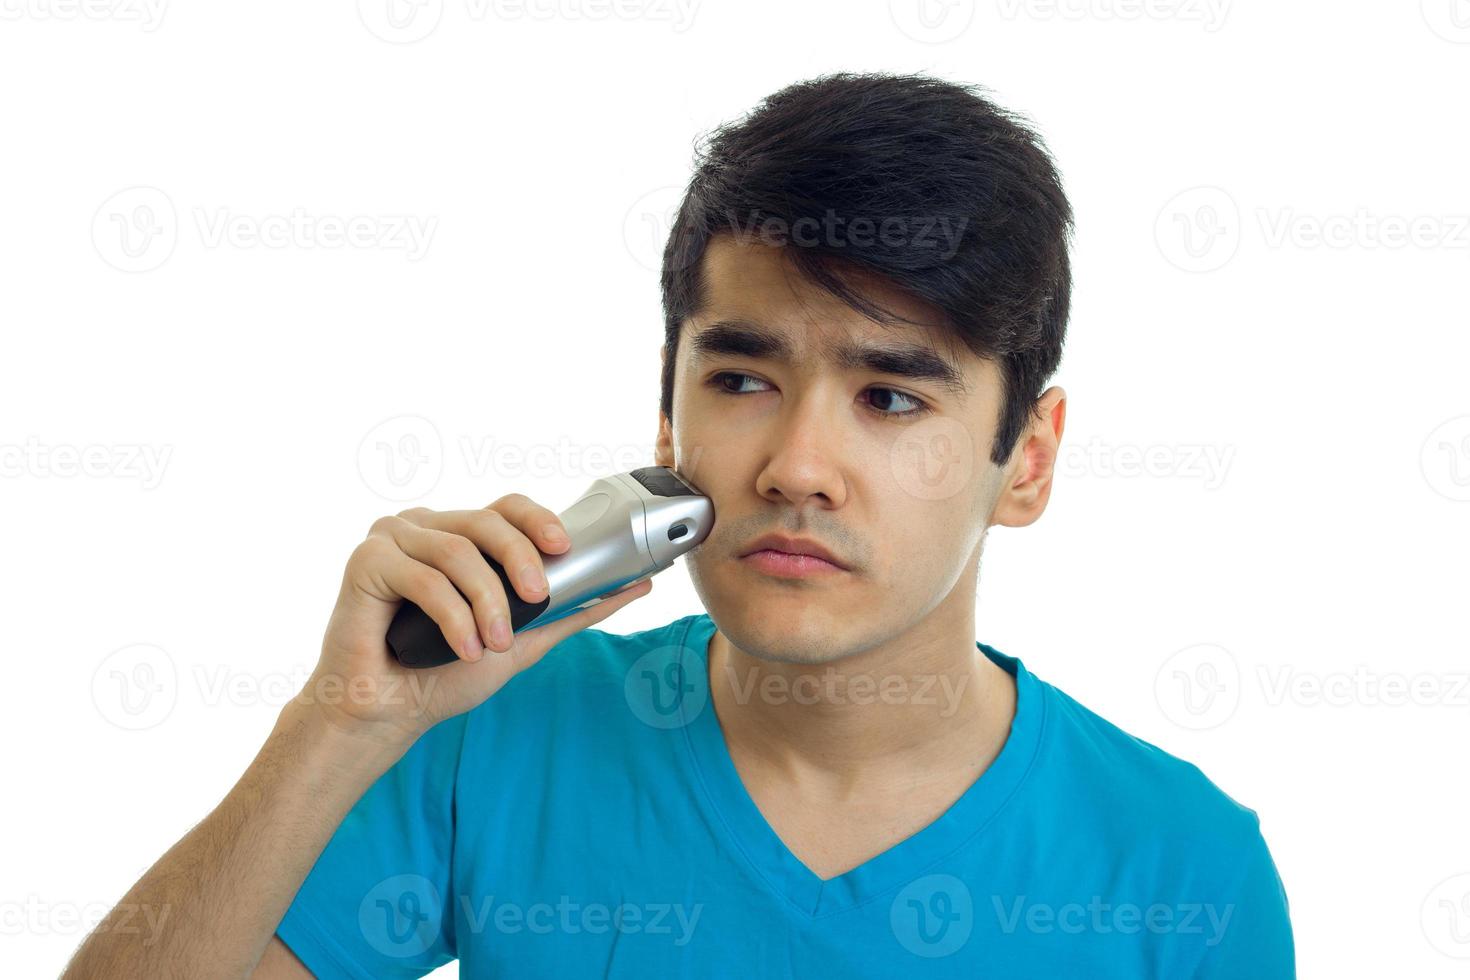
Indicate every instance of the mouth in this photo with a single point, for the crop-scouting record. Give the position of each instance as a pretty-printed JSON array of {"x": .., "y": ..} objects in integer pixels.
[
  {"x": 785, "y": 565},
  {"x": 786, "y": 557}
]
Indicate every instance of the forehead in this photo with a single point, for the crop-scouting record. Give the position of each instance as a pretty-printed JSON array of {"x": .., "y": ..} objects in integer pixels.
[
  {"x": 750, "y": 277},
  {"x": 756, "y": 303}
]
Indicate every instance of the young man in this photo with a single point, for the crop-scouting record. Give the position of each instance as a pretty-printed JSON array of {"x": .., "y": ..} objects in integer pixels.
[{"x": 823, "y": 774}]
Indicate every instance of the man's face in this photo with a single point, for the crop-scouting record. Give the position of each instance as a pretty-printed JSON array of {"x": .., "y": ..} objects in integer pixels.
[{"x": 890, "y": 472}]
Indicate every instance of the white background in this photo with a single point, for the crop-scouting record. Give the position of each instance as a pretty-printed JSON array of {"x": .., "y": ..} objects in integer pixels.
[{"x": 1266, "y": 486}]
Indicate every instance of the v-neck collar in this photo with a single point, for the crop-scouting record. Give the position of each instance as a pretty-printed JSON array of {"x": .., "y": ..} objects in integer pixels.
[{"x": 916, "y": 855}]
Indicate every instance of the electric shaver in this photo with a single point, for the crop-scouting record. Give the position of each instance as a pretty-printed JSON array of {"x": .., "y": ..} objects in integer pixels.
[{"x": 623, "y": 529}]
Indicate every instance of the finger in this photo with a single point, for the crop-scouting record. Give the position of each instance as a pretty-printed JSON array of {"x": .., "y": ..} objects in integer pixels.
[
  {"x": 498, "y": 536},
  {"x": 459, "y": 558},
  {"x": 540, "y": 524},
  {"x": 430, "y": 590}
]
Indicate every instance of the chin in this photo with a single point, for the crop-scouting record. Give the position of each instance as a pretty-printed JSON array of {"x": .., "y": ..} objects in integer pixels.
[{"x": 790, "y": 628}]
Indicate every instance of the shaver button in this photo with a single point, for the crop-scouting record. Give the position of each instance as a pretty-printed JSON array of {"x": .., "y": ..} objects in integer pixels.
[{"x": 677, "y": 531}]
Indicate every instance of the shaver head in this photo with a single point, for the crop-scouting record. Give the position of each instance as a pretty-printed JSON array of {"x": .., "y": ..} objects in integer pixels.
[
  {"x": 676, "y": 516},
  {"x": 624, "y": 528}
]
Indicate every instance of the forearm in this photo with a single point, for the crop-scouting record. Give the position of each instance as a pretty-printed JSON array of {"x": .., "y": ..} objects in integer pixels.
[{"x": 216, "y": 897}]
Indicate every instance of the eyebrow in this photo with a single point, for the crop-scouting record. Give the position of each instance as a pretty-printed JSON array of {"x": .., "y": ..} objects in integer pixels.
[{"x": 743, "y": 338}]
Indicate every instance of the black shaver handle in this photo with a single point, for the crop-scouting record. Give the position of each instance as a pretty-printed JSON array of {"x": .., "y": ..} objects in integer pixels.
[{"x": 417, "y": 641}]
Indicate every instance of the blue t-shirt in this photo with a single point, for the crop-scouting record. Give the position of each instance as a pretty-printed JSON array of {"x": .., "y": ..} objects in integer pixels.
[{"x": 587, "y": 820}]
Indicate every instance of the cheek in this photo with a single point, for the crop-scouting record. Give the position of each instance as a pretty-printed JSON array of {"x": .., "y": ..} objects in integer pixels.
[
  {"x": 938, "y": 461},
  {"x": 927, "y": 542}
]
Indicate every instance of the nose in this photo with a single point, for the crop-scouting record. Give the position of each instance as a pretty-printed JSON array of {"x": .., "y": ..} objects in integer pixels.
[{"x": 806, "y": 451}]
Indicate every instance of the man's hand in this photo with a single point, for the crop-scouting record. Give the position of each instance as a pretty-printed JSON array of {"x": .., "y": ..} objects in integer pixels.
[{"x": 433, "y": 559}]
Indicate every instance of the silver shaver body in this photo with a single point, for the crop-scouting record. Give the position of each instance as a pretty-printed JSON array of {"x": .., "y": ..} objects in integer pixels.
[{"x": 623, "y": 529}]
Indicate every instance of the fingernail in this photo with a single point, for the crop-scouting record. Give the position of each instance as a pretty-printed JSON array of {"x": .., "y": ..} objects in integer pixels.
[
  {"x": 554, "y": 532},
  {"x": 473, "y": 648},
  {"x": 500, "y": 632},
  {"x": 531, "y": 575}
]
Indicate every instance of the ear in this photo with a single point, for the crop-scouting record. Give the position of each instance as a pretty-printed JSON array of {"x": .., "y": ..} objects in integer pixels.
[
  {"x": 663, "y": 451},
  {"x": 1027, "y": 483}
]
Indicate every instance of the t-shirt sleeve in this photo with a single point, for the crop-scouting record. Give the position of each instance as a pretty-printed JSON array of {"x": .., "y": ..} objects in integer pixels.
[
  {"x": 378, "y": 901},
  {"x": 1255, "y": 940}
]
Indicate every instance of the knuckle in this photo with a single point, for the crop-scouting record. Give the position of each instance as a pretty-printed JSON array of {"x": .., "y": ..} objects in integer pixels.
[
  {"x": 493, "y": 518},
  {"x": 413, "y": 514},
  {"x": 383, "y": 525},
  {"x": 487, "y": 597},
  {"x": 368, "y": 551},
  {"x": 428, "y": 583},
  {"x": 453, "y": 548}
]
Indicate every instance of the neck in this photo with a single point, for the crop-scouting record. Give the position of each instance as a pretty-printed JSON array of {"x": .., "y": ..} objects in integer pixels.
[{"x": 926, "y": 705}]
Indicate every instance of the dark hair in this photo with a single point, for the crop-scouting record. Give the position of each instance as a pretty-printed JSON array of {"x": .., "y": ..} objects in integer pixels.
[{"x": 886, "y": 148}]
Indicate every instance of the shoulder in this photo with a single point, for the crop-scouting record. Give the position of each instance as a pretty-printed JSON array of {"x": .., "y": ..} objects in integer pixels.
[
  {"x": 1170, "y": 834},
  {"x": 1135, "y": 793}
]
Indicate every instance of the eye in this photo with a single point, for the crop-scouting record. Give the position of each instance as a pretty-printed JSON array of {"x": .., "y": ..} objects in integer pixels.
[
  {"x": 723, "y": 381},
  {"x": 720, "y": 382},
  {"x": 891, "y": 395}
]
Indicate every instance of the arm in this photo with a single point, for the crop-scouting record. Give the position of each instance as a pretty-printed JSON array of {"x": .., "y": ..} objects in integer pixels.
[
  {"x": 220, "y": 893},
  {"x": 222, "y": 889}
]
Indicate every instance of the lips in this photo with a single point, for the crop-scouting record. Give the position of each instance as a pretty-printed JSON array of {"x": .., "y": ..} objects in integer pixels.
[{"x": 793, "y": 546}]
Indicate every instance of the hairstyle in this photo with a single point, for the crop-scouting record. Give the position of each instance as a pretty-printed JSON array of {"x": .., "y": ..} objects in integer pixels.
[{"x": 905, "y": 152}]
